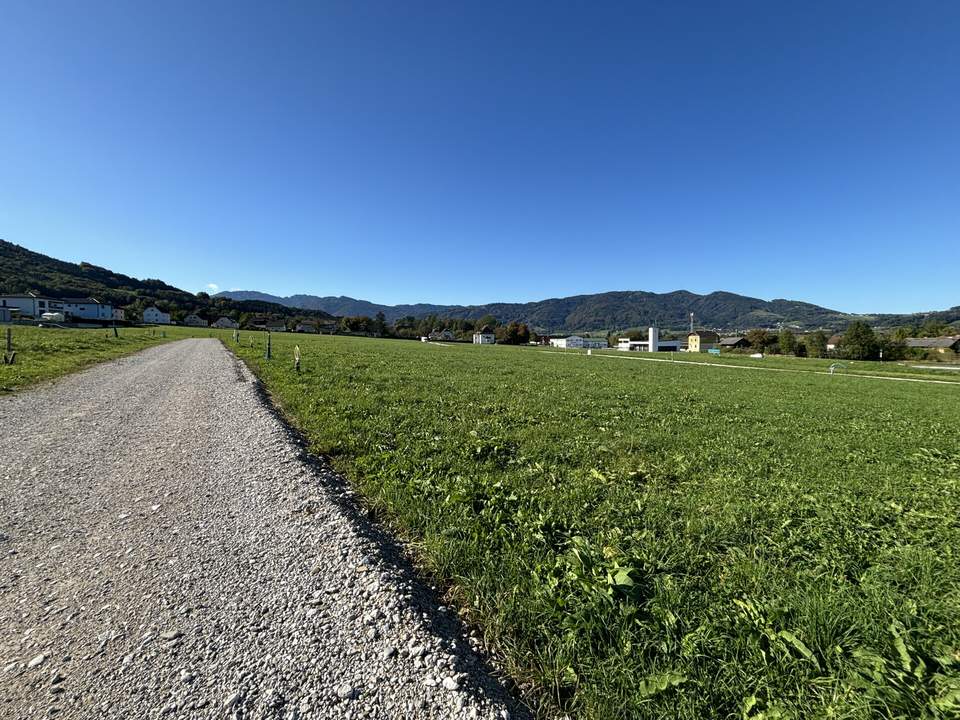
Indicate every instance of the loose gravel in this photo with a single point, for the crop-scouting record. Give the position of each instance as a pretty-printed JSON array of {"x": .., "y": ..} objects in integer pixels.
[{"x": 168, "y": 549}]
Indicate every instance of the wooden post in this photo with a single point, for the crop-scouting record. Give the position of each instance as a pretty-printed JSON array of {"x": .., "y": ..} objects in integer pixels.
[
  {"x": 268, "y": 345},
  {"x": 9, "y": 356}
]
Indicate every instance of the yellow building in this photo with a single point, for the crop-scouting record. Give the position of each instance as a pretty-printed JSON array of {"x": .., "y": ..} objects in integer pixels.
[{"x": 702, "y": 340}]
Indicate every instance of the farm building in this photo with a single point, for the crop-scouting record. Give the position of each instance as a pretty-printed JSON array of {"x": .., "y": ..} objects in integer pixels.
[
  {"x": 87, "y": 309},
  {"x": 702, "y": 340},
  {"x": 30, "y": 304},
  {"x": 576, "y": 341},
  {"x": 119, "y": 314},
  {"x": 194, "y": 321},
  {"x": 484, "y": 336},
  {"x": 734, "y": 343},
  {"x": 276, "y": 326},
  {"x": 226, "y": 323},
  {"x": 938, "y": 344},
  {"x": 154, "y": 316},
  {"x": 306, "y": 327},
  {"x": 833, "y": 342}
]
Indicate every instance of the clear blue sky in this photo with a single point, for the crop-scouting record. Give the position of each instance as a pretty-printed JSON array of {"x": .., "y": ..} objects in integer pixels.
[{"x": 466, "y": 153}]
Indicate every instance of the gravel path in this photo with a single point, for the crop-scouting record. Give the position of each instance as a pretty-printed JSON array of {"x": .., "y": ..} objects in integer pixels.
[{"x": 168, "y": 550}]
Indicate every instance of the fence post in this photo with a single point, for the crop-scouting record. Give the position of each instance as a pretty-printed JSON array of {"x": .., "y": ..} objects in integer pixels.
[
  {"x": 268, "y": 345},
  {"x": 296, "y": 358},
  {"x": 9, "y": 356}
]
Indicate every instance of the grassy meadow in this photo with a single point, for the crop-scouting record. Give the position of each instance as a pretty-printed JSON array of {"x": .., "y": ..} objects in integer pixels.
[
  {"x": 643, "y": 539},
  {"x": 47, "y": 353}
]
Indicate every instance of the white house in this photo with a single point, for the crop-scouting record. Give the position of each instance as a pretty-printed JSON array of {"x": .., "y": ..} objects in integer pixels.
[
  {"x": 30, "y": 304},
  {"x": 154, "y": 316},
  {"x": 575, "y": 341},
  {"x": 195, "y": 321},
  {"x": 87, "y": 309},
  {"x": 226, "y": 323},
  {"x": 484, "y": 336},
  {"x": 276, "y": 326},
  {"x": 306, "y": 327}
]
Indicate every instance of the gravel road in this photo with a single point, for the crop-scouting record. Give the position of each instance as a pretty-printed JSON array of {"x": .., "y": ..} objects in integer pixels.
[{"x": 167, "y": 549}]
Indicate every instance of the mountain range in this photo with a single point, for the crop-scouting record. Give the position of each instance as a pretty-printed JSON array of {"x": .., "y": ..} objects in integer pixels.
[
  {"x": 617, "y": 310},
  {"x": 22, "y": 270}
]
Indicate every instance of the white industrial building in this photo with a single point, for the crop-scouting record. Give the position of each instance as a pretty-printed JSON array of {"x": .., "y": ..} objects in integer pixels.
[
  {"x": 153, "y": 316},
  {"x": 576, "y": 341},
  {"x": 653, "y": 343}
]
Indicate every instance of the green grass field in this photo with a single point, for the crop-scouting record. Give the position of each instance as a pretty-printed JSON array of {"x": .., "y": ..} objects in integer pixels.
[
  {"x": 47, "y": 353},
  {"x": 648, "y": 539},
  {"x": 645, "y": 539}
]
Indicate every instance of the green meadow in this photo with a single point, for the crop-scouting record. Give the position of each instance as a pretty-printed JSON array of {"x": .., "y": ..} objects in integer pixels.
[
  {"x": 46, "y": 353},
  {"x": 646, "y": 539}
]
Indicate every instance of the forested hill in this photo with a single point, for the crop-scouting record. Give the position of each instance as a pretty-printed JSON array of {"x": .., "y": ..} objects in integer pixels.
[
  {"x": 618, "y": 310},
  {"x": 22, "y": 270}
]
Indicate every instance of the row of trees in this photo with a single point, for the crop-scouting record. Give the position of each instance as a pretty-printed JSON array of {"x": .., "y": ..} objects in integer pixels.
[{"x": 859, "y": 342}]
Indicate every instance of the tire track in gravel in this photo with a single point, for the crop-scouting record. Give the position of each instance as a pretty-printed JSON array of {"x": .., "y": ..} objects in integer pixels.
[{"x": 169, "y": 549}]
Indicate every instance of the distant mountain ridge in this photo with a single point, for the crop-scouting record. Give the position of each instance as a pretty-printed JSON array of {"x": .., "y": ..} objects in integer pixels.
[{"x": 616, "y": 310}]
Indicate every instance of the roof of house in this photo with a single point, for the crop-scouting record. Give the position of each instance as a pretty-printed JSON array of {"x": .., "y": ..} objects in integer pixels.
[
  {"x": 32, "y": 296},
  {"x": 834, "y": 339},
  {"x": 732, "y": 340},
  {"x": 708, "y": 335},
  {"x": 84, "y": 300},
  {"x": 935, "y": 342},
  {"x": 486, "y": 330}
]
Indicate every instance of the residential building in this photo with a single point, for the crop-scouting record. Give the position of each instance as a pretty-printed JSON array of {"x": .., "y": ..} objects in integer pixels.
[
  {"x": 484, "y": 336},
  {"x": 87, "y": 308},
  {"x": 306, "y": 327},
  {"x": 30, "y": 305},
  {"x": 702, "y": 340},
  {"x": 195, "y": 321},
  {"x": 276, "y": 326},
  {"x": 442, "y": 335},
  {"x": 937, "y": 344},
  {"x": 737, "y": 342},
  {"x": 153, "y": 316},
  {"x": 119, "y": 314},
  {"x": 226, "y": 323},
  {"x": 833, "y": 342}
]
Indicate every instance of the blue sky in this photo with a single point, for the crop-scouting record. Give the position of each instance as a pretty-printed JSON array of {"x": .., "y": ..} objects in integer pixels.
[{"x": 467, "y": 153}]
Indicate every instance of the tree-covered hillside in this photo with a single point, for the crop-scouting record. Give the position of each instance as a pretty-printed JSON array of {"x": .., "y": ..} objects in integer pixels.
[{"x": 22, "y": 270}]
